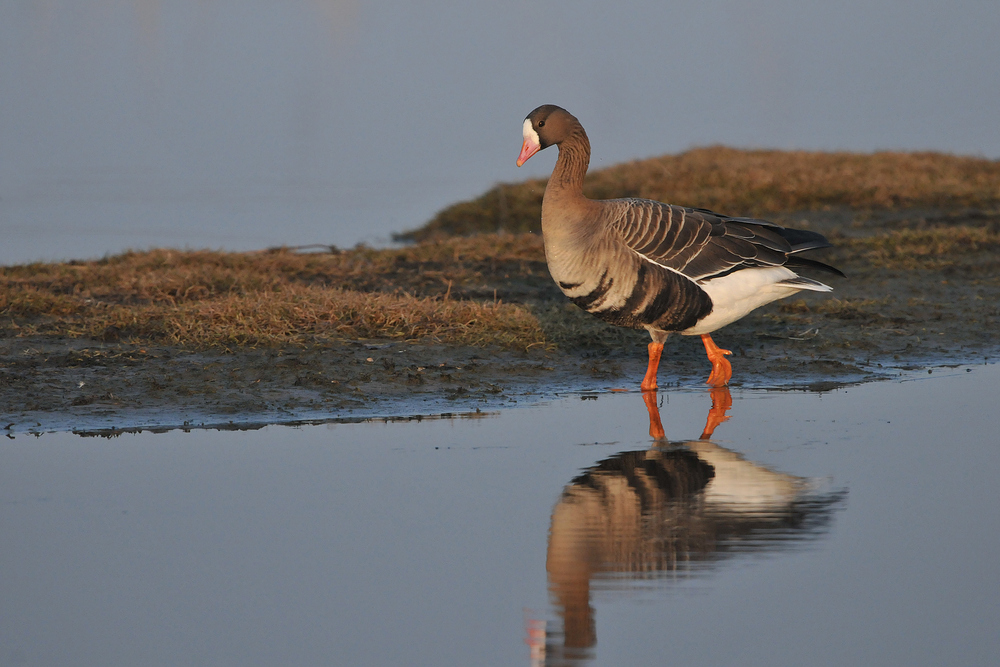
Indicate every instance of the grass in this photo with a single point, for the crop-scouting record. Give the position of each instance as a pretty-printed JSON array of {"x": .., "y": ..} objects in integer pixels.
[
  {"x": 490, "y": 289},
  {"x": 482, "y": 290},
  {"x": 494, "y": 288},
  {"x": 747, "y": 182},
  {"x": 213, "y": 299},
  {"x": 936, "y": 248}
]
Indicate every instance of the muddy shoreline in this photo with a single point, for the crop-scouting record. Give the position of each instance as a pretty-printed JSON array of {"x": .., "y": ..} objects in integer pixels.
[
  {"x": 907, "y": 305},
  {"x": 108, "y": 389}
]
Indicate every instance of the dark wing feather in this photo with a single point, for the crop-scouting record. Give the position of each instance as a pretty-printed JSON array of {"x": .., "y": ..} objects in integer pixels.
[
  {"x": 794, "y": 261},
  {"x": 701, "y": 244}
]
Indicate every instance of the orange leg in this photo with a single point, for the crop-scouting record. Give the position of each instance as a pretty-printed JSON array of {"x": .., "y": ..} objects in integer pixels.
[
  {"x": 655, "y": 425},
  {"x": 721, "y": 401},
  {"x": 721, "y": 370},
  {"x": 649, "y": 382}
]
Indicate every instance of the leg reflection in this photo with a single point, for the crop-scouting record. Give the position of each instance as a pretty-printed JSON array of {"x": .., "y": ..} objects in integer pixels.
[
  {"x": 722, "y": 400},
  {"x": 655, "y": 425}
]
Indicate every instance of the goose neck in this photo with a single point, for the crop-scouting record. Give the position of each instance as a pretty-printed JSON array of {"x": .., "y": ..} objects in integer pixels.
[{"x": 571, "y": 166}]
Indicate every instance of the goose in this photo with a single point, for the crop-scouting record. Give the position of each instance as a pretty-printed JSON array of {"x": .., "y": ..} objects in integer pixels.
[{"x": 664, "y": 268}]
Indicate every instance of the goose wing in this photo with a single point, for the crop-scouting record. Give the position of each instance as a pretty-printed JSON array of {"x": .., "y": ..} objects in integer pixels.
[{"x": 700, "y": 244}]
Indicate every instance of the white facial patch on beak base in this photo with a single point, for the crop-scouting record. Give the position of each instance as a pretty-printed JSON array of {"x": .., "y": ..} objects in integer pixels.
[
  {"x": 531, "y": 144},
  {"x": 530, "y": 134}
]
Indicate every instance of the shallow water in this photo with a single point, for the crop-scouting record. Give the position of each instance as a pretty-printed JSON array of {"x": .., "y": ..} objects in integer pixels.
[{"x": 857, "y": 526}]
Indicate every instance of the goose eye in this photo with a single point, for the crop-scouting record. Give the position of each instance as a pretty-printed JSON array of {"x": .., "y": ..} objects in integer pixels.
[{"x": 541, "y": 123}]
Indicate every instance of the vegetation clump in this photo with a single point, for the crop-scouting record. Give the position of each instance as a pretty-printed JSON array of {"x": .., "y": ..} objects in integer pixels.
[
  {"x": 923, "y": 248},
  {"x": 747, "y": 183},
  {"x": 495, "y": 289},
  {"x": 214, "y": 299},
  {"x": 489, "y": 289}
]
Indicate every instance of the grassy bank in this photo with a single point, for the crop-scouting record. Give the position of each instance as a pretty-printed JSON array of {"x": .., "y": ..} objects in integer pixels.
[
  {"x": 494, "y": 288},
  {"x": 213, "y": 299},
  {"x": 482, "y": 290},
  {"x": 748, "y": 182},
  {"x": 169, "y": 337}
]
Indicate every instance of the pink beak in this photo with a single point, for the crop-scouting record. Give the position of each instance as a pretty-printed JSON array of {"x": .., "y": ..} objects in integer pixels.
[{"x": 528, "y": 148}]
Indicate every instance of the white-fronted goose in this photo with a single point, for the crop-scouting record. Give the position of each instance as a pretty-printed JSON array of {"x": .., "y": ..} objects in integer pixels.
[{"x": 648, "y": 265}]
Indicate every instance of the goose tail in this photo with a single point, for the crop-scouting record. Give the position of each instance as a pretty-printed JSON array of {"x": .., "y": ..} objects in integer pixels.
[{"x": 802, "y": 283}]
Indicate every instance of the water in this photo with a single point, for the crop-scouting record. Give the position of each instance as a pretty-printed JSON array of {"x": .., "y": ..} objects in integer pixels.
[
  {"x": 857, "y": 526},
  {"x": 243, "y": 125}
]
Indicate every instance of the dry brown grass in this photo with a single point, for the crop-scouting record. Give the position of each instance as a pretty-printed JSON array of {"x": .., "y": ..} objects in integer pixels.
[
  {"x": 177, "y": 277},
  {"x": 483, "y": 289},
  {"x": 212, "y": 299},
  {"x": 748, "y": 182},
  {"x": 935, "y": 248}
]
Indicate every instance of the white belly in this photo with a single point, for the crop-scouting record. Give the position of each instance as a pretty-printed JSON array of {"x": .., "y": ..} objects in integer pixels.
[{"x": 735, "y": 295}]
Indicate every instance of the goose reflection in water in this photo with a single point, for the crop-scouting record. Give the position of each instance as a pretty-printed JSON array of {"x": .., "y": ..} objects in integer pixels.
[{"x": 672, "y": 511}]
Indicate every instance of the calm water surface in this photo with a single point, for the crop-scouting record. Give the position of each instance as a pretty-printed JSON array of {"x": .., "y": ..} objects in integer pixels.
[{"x": 854, "y": 527}]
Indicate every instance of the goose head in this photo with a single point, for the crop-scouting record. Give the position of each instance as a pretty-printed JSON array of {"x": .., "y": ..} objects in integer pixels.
[{"x": 545, "y": 126}]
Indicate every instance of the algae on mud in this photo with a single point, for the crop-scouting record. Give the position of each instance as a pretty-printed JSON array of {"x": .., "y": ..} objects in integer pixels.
[{"x": 456, "y": 324}]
